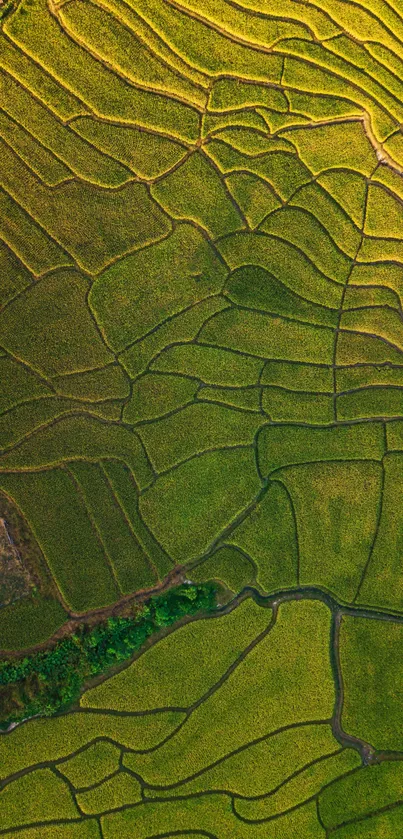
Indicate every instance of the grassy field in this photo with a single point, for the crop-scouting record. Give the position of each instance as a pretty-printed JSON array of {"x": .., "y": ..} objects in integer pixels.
[
  {"x": 201, "y": 379},
  {"x": 141, "y": 753}
]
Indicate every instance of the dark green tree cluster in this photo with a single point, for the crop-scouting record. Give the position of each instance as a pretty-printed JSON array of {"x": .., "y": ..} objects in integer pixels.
[{"x": 47, "y": 682}]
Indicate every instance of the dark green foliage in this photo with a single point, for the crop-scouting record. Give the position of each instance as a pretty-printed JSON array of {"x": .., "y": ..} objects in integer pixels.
[{"x": 47, "y": 682}]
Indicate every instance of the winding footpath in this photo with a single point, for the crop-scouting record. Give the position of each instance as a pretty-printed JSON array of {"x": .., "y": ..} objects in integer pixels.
[
  {"x": 270, "y": 601},
  {"x": 366, "y": 750}
]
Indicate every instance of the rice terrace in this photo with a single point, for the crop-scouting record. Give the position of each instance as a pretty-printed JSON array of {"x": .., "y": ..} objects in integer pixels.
[{"x": 201, "y": 419}]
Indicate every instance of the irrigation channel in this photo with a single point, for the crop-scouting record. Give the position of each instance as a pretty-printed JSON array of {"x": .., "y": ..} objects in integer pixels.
[
  {"x": 368, "y": 753},
  {"x": 366, "y": 750}
]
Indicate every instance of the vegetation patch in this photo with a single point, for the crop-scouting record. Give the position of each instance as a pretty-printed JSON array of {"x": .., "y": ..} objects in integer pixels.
[
  {"x": 47, "y": 682},
  {"x": 182, "y": 666},
  {"x": 373, "y": 680},
  {"x": 92, "y": 765},
  {"x": 40, "y": 796}
]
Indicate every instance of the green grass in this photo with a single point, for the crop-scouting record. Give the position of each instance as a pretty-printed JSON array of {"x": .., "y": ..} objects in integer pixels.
[
  {"x": 373, "y": 679},
  {"x": 272, "y": 687},
  {"x": 279, "y": 446},
  {"x": 168, "y": 676},
  {"x": 28, "y": 241},
  {"x": 92, "y": 765},
  {"x": 307, "y": 783},
  {"x": 42, "y": 162},
  {"x": 58, "y": 517},
  {"x": 394, "y": 436},
  {"x": 334, "y": 547},
  {"x": 341, "y": 145},
  {"x": 206, "y": 48},
  {"x": 147, "y": 154},
  {"x": 382, "y": 585},
  {"x": 34, "y": 415},
  {"x": 381, "y": 249},
  {"x": 234, "y": 21},
  {"x": 353, "y": 348},
  {"x": 194, "y": 429},
  {"x": 244, "y": 398},
  {"x": 231, "y": 120},
  {"x": 30, "y": 621},
  {"x": 290, "y": 406},
  {"x": 79, "y": 438},
  {"x": 19, "y": 384},
  {"x": 362, "y": 794},
  {"x": 177, "y": 328},
  {"x": 115, "y": 221},
  {"x": 212, "y": 814},
  {"x": 309, "y": 75},
  {"x": 130, "y": 566},
  {"x": 88, "y": 829},
  {"x": 126, "y": 311},
  {"x": 386, "y": 274},
  {"x": 117, "y": 792},
  {"x": 200, "y": 498},
  {"x": 261, "y": 767},
  {"x": 283, "y": 170},
  {"x": 154, "y": 395},
  {"x": 14, "y": 275},
  {"x": 99, "y": 88},
  {"x": 352, "y": 378},
  {"x": 195, "y": 191},
  {"x": 348, "y": 189},
  {"x": 303, "y": 231},
  {"x": 380, "y": 826},
  {"x": 40, "y": 796},
  {"x": 269, "y": 336},
  {"x": 118, "y": 45},
  {"x": 371, "y": 402},
  {"x": 361, "y": 295},
  {"x": 77, "y": 156},
  {"x": 383, "y": 216},
  {"x": 106, "y": 383},
  {"x": 298, "y": 377},
  {"x": 54, "y": 340},
  {"x": 52, "y": 739},
  {"x": 328, "y": 200},
  {"x": 253, "y": 195},
  {"x": 268, "y": 288},
  {"x": 316, "y": 106},
  {"x": 390, "y": 179},
  {"x": 268, "y": 536},
  {"x": 124, "y": 488},
  {"x": 231, "y": 94},
  {"x": 245, "y": 139},
  {"x": 228, "y": 566},
  {"x": 209, "y": 364},
  {"x": 34, "y": 79},
  {"x": 376, "y": 320}
]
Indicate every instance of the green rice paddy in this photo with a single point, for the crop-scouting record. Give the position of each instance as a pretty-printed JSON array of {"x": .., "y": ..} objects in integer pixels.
[{"x": 201, "y": 381}]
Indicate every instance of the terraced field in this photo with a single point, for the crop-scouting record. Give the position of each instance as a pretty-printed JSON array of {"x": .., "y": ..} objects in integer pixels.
[{"x": 201, "y": 366}]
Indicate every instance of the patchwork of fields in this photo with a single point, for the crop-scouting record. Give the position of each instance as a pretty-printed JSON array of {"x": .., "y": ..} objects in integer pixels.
[
  {"x": 227, "y": 727},
  {"x": 201, "y": 376}
]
